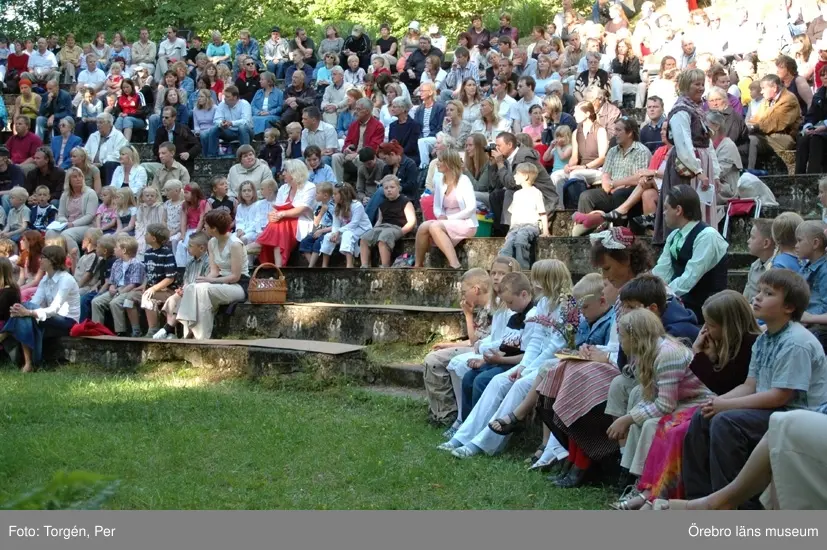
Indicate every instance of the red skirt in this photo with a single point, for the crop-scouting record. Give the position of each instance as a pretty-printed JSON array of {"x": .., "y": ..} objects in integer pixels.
[{"x": 281, "y": 235}]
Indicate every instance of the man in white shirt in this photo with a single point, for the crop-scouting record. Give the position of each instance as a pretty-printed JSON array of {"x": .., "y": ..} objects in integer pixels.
[
  {"x": 319, "y": 133},
  {"x": 233, "y": 121},
  {"x": 42, "y": 64},
  {"x": 144, "y": 52},
  {"x": 519, "y": 111},
  {"x": 104, "y": 146},
  {"x": 334, "y": 100},
  {"x": 91, "y": 78},
  {"x": 169, "y": 51}
]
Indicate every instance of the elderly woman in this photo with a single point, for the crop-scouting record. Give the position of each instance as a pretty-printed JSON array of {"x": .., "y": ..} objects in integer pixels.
[
  {"x": 52, "y": 312},
  {"x": 77, "y": 208},
  {"x": 291, "y": 218},
  {"x": 729, "y": 159},
  {"x": 626, "y": 77},
  {"x": 592, "y": 76},
  {"x": 130, "y": 173},
  {"x": 455, "y": 208},
  {"x": 248, "y": 168},
  {"x": 266, "y": 104},
  {"x": 225, "y": 283},
  {"x": 219, "y": 51},
  {"x": 489, "y": 123},
  {"x": 63, "y": 143},
  {"x": 392, "y": 91},
  {"x": 689, "y": 162},
  {"x": 405, "y": 129},
  {"x": 811, "y": 151}
]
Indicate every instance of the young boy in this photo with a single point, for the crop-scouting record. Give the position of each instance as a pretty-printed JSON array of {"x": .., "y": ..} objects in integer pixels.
[
  {"x": 17, "y": 220},
  {"x": 822, "y": 197},
  {"x": 121, "y": 290},
  {"x": 43, "y": 213},
  {"x": 85, "y": 268},
  {"x": 809, "y": 247},
  {"x": 528, "y": 216},
  {"x": 395, "y": 219},
  {"x": 476, "y": 295},
  {"x": 311, "y": 245},
  {"x": 198, "y": 266},
  {"x": 220, "y": 200},
  {"x": 102, "y": 269},
  {"x": 783, "y": 233},
  {"x": 271, "y": 151},
  {"x": 161, "y": 276},
  {"x": 294, "y": 141},
  {"x": 756, "y": 97},
  {"x": 788, "y": 370},
  {"x": 760, "y": 245},
  {"x": 693, "y": 261}
]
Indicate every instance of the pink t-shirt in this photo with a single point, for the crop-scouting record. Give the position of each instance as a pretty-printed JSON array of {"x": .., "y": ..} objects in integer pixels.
[{"x": 107, "y": 214}]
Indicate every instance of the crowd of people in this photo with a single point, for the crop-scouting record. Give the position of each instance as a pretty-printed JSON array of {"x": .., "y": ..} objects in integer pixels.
[{"x": 355, "y": 137}]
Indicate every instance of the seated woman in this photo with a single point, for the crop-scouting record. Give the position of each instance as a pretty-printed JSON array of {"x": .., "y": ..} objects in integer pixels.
[
  {"x": 129, "y": 173},
  {"x": 63, "y": 143},
  {"x": 455, "y": 208},
  {"x": 489, "y": 123},
  {"x": 454, "y": 124},
  {"x": 290, "y": 219},
  {"x": 267, "y": 103},
  {"x": 625, "y": 77},
  {"x": 811, "y": 151},
  {"x": 478, "y": 166},
  {"x": 131, "y": 110},
  {"x": 77, "y": 209},
  {"x": 226, "y": 282},
  {"x": 729, "y": 159},
  {"x": 52, "y": 312},
  {"x": 171, "y": 97},
  {"x": 9, "y": 291}
]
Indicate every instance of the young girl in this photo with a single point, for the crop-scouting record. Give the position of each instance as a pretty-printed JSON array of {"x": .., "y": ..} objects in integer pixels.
[
  {"x": 86, "y": 266},
  {"x": 9, "y": 292},
  {"x": 545, "y": 333},
  {"x": 106, "y": 217},
  {"x": 173, "y": 190},
  {"x": 249, "y": 217},
  {"x": 112, "y": 84},
  {"x": 666, "y": 384},
  {"x": 354, "y": 75},
  {"x": 225, "y": 78},
  {"x": 150, "y": 211},
  {"x": 193, "y": 210},
  {"x": 723, "y": 351},
  {"x": 561, "y": 151},
  {"x": 535, "y": 129},
  {"x": 125, "y": 211},
  {"x": 31, "y": 245},
  {"x": 350, "y": 222}
]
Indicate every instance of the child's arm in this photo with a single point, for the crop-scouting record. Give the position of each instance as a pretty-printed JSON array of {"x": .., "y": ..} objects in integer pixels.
[
  {"x": 565, "y": 152},
  {"x": 544, "y": 221},
  {"x": 23, "y": 226},
  {"x": 317, "y": 219},
  {"x": 98, "y": 222},
  {"x": 131, "y": 225},
  {"x": 203, "y": 215},
  {"x": 183, "y": 223},
  {"x": 410, "y": 219},
  {"x": 137, "y": 280}
]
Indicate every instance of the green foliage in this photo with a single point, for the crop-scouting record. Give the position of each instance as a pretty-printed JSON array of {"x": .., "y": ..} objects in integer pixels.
[{"x": 67, "y": 491}]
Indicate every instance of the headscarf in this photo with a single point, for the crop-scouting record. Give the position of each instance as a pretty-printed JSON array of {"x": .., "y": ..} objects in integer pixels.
[{"x": 616, "y": 238}]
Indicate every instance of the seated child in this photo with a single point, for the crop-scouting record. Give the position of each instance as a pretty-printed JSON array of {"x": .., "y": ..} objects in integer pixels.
[
  {"x": 9, "y": 250},
  {"x": 31, "y": 245},
  {"x": 122, "y": 289},
  {"x": 760, "y": 245},
  {"x": 17, "y": 219},
  {"x": 528, "y": 216},
  {"x": 249, "y": 218},
  {"x": 395, "y": 219},
  {"x": 198, "y": 266},
  {"x": 125, "y": 211},
  {"x": 475, "y": 289},
  {"x": 84, "y": 270},
  {"x": 193, "y": 210},
  {"x": 150, "y": 211},
  {"x": 271, "y": 151},
  {"x": 293, "y": 149},
  {"x": 43, "y": 212},
  {"x": 220, "y": 200},
  {"x": 106, "y": 217},
  {"x": 350, "y": 222},
  {"x": 161, "y": 278},
  {"x": 101, "y": 271},
  {"x": 173, "y": 190},
  {"x": 788, "y": 370},
  {"x": 783, "y": 233},
  {"x": 311, "y": 245},
  {"x": 809, "y": 247}
]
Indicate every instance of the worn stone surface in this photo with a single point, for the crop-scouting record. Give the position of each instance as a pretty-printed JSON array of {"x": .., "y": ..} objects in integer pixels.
[
  {"x": 408, "y": 375},
  {"x": 362, "y": 325}
]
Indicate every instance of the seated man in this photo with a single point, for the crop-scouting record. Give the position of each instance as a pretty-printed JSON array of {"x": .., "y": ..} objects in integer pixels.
[
  {"x": 776, "y": 125},
  {"x": 56, "y": 106},
  {"x": 103, "y": 147},
  {"x": 247, "y": 45},
  {"x": 42, "y": 65},
  {"x": 233, "y": 121},
  {"x": 788, "y": 370},
  {"x": 365, "y": 131},
  {"x": 693, "y": 262}
]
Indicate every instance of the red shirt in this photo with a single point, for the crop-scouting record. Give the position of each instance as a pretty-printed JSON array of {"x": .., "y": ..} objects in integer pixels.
[
  {"x": 218, "y": 87},
  {"x": 816, "y": 73},
  {"x": 23, "y": 148},
  {"x": 129, "y": 104},
  {"x": 18, "y": 62}
]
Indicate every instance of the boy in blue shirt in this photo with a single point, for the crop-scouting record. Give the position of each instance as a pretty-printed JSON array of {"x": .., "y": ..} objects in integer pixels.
[
  {"x": 783, "y": 233},
  {"x": 311, "y": 245},
  {"x": 809, "y": 247}
]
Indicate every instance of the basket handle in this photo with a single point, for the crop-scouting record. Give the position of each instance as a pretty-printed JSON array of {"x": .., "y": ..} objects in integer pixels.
[{"x": 255, "y": 272}]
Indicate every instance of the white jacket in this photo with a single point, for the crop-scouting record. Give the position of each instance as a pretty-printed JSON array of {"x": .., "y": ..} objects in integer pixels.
[
  {"x": 110, "y": 150},
  {"x": 465, "y": 196},
  {"x": 359, "y": 223}
]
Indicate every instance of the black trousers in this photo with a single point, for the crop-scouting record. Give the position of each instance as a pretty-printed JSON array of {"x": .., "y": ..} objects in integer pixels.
[
  {"x": 715, "y": 450},
  {"x": 811, "y": 154}
]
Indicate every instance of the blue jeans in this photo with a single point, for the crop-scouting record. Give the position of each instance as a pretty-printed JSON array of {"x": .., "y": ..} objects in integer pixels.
[
  {"x": 372, "y": 208},
  {"x": 122, "y": 123},
  {"x": 309, "y": 244},
  {"x": 261, "y": 123},
  {"x": 277, "y": 69},
  {"x": 30, "y": 332},
  {"x": 86, "y": 306},
  {"x": 154, "y": 124},
  {"x": 209, "y": 139},
  {"x": 474, "y": 383},
  {"x": 40, "y": 127}
]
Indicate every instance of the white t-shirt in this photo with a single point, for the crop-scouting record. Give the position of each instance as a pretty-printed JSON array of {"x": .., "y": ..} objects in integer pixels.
[
  {"x": 94, "y": 79},
  {"x": 519, "y": 111},
  {"x": 526, "y": 207}
]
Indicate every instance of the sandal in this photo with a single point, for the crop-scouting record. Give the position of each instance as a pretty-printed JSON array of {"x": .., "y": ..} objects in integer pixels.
[
  {"x": 631, "y": 499},
  {"x": 672, "y": 504},
  {"x": 545, "y": 466},
  {"x": 512, "y": 425},
  {"x": 614, "y": 217},
  {"x": 536, "y": 456}
]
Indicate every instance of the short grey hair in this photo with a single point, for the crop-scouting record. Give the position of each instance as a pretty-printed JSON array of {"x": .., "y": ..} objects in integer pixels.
[
  {"x": 105, "y": 117},
  {"x": 70, "y": 121},
  {"x": 554, "y": 86},
  {"x": 337, "y": 70},
  {"x": 450, "y": 142},
  {"x": 717, "y": 92},
  {"x": 593, "y": 55},
  {"x": 201, "y": 56},
  {"x": 716, "y": 118},
  {"x": 594, "y": 92},
  {"x": 267, "y": 75},
  {"x": 365, "y": 103},
  {"x": 402, "y": 102},
  {"x": 216, "y": 34}
]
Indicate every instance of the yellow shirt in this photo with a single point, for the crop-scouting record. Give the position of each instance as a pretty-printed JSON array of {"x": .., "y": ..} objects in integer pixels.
[
  {"x": 70, "y": 55},
  {"x": 743, "y": 85}
]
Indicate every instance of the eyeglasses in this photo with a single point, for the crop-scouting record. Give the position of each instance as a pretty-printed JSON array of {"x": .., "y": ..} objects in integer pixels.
[
  {"x": 168, "y": 117},
  {"x": 250, "y": 64}
]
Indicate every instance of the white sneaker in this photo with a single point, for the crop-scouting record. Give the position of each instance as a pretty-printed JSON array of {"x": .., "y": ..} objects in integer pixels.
[
  {"x": 449, "y": 446},
  {"x": 160, "y": 335},
  {"x": 171, "y": 336}
]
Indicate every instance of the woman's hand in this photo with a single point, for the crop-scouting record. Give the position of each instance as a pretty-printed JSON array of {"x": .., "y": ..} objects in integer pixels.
[
  {"x": 19, "y": 310},
  {"x": 474, "y": 364},
  {"x": 493, "y": 357},
  {"x": 467, "y": 307},
  {"x": 704, "y": 181},
  {"x": 620, "y": 428},
  {"x": 204, "y": 279}
]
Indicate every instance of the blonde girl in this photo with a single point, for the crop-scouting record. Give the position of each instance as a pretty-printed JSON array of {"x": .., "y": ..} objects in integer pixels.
[
  {"x": 500, "y": 314},
  {"x": 666, "y": 385},
  {"x": 350, "y": 222},
  {"x": 561, "y": 150},
  {"x": 225, "y": 75},
  {"x": 125, "y": 210},
  {"x": 249, "y": 217},
  {"x": 151, "y": 210},
  {"x": 542, "y": 337},
  {"x": 193, "y": 210},
  {"x": 173, "y": 189},
  {"x": 106, "y": 216},
  {"x": 91, "y": 173}
]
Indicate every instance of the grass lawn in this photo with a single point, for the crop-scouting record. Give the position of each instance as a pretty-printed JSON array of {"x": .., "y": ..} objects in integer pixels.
[{"x": 176, "y": 441}]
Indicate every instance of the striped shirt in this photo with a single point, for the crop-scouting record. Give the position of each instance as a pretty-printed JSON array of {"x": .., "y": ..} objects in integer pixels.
[
  {"x": 160, "y": 264},
  {"x": 620, "y": 164}
]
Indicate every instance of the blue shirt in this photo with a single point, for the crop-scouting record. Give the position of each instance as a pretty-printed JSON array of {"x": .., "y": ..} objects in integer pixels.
[
  {"x": 327, "y": 219},
  {"x": 321, "y": 174},
  {"x": 785, "y": 260},
  {"x": 815, "y": 273},
  {"x": 597, "y": 334}
]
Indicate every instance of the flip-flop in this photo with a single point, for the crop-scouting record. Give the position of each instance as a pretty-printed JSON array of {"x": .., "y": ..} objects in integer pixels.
[{"x": 514, "y": 424}]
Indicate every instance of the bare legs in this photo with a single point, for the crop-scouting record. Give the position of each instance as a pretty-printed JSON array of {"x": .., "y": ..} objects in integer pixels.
[{"x": 434, "y": 232}]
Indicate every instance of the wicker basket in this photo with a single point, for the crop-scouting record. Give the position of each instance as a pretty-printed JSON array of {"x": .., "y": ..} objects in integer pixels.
[{"x": 267, "y": 291}]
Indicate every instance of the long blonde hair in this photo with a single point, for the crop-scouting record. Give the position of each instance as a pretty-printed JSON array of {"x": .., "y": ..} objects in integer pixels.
[
  {"x": 453, "y": 165},
  {"x": 641, "y": 332},
  {"x": 552, "y": 279},
  {"x": 732, "y": 312},
  {"x": 513, "y": 266}
]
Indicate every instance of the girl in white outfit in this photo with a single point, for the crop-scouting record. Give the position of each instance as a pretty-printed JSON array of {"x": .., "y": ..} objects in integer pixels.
[{"x": 350, "y": 222}]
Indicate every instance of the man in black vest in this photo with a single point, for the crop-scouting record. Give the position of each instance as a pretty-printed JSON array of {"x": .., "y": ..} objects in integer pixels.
[{"x": 693, "y": 262}]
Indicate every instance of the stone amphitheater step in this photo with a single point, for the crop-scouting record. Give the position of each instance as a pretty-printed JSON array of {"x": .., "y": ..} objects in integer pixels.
[
  {"x": 421, "y": 287},
  {"x": 350, "y": 324},
  {"x": 406, "y": 375}
]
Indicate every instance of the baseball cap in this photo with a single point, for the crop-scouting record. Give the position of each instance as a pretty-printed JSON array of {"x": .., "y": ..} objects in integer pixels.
[
  {"x": 414, "y": 25},
  {"x": 275, "y": 29}
]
